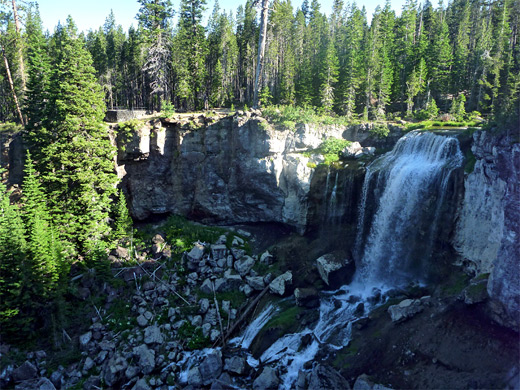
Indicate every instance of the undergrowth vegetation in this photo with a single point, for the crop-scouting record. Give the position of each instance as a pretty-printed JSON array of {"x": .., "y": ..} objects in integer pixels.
[
  {"x": 290, "y": 116},
  {"x": 429, "y": 124},
  {"x": 330, "y": 149}
]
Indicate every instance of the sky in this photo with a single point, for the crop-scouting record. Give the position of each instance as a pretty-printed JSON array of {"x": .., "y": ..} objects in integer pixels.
[{"x": 91, "y": 14}]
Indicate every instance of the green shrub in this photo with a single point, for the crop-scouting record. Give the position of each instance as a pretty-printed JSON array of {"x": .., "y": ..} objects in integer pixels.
[
  {"x": 290, "y": 116},
  {"x": 167, "y": 109},
  {"x": 194, "y": 335},
  {"x": 380, "y": 130},
  {"x": 182, "y": 233},
  {"x": 127, "y": 128}
]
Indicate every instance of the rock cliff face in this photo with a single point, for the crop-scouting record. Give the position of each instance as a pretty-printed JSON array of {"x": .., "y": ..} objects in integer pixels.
[
  {"x": 235, "y": 170},
  {"x": 488, "y": 228}
]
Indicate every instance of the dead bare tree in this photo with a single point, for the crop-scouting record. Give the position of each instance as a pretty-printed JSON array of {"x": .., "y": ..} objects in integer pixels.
[
  {"x": 11, "y": 85},
  {"x": 19, "y": 39},
  {"x": 261, "y": 50}
]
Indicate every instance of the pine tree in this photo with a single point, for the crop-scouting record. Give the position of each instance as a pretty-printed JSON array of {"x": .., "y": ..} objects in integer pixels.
[
  {"x": 36, "y": 97},
  {"x": 43, "y": 246},
  {"x": 328, "y": 76},
  {"x": 191, "y": 46},
  {"x": 123, "y": 222},
  {"x": 416, "y": 84},
  {"x": 77, "y": 168},
  {"x": 351, "y": 74},
  {"x": 441, "y": 57},
  {"x": 12, "y": 258},
  {"x": 153, "y": 20}
]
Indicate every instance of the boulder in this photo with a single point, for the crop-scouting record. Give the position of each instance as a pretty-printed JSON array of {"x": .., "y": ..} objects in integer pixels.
[
  {"x": 204, "y": 305},
  {"x": 256, "y": 282},
  {"x": 196, "y": 253},
  {"x": 194, "y": 378},
  {"x": 84, "y": 339},
  {"x": 25, "y": 372},
  {"x": 363, "y": 382},
  {"x": 89, "y": 363},
  {"x": 475, "y": 293},
  {"x": 335, "y": 271},
  {"x": 146, "y": 358},
  {"x": 114, "y": 370},
  {"x": 6, "y": 375},
  {"x": 235, "y": 365},
  {"x": 267, "y": 380},
  {"x": 244, "y": 265},
  {"x": 266, "y": 258},
  {"x": 224, "y": 382},
  {"x": 307, "y": 297},
  {"x": 158, "y": 239},
  {"x": 218, "y": 251},
  {"x": 141, "y": 385},
  {"x": 142, "y": 321},
  {"x": 207, "y": 286},
  {"x": 325, "y": 377},
  {"x": 131, "y": 372},
  {"x": 352, "y": 150},
  {"x": 153, "y": 335},
  {"x": 45, "y": 384},
  {"x": 121, "y": 253},
  {"x": 405, "y": 309},
  {"x": 228, "y": 283},
  {"x": 278, "y": 285},
  {"x": 210, "y": 368}
]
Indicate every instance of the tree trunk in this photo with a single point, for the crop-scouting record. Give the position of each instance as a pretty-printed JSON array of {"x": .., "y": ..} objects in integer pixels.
[
  {"x": 261, "y": 50},
  {"x": 19, "y": 38},
  {"x": 12, "y": 87}
]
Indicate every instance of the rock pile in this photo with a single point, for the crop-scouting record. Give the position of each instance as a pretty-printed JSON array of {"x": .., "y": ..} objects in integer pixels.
[{"x": 143, "y": 335}]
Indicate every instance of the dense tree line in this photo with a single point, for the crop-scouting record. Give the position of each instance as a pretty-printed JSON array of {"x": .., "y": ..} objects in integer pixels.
[{"x": 340, "y": 64}]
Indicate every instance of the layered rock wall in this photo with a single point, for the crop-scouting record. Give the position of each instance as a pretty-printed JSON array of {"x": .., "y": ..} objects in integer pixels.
[
  {"x": 488, "y": 228},
  {"x": 235, "y": 170}
]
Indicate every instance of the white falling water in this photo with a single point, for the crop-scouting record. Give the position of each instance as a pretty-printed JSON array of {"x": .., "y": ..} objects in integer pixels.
[
  {"x": 252, "y": 330},
  {"x": 410, "y": 183},
  {"x": 333, "y": 202}
]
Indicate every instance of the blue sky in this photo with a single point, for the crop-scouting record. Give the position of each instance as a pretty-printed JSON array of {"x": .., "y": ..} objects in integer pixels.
[{"x": 91, "y": 14}]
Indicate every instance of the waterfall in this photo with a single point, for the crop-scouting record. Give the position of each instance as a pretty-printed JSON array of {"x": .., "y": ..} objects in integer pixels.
[
  {"x": 403, "y": 191},
  {"x": 402, "y": 199},
  {"x": 332, "y": 211},
  {"x": 254, "y": 327}
]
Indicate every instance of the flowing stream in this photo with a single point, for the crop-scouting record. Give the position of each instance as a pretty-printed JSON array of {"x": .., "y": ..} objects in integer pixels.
[{"x": 405, "y": 190}]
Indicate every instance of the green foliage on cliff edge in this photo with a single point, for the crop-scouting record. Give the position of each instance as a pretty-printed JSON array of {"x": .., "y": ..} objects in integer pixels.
[
  {"x": 330, "y": 149},
  {"x": 289, "y": 116}
]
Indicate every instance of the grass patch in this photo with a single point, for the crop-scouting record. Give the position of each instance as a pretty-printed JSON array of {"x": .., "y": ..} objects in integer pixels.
[
  {"x": 482, "y": 276},
  {"x": 181, "y": 233},
  {"x": 194, "y": 336},
  {"x": 120, "y": 317},
  {"x": 455, "y": 284},
  {"x": 430, "y": 124},
  {"x": 236, "y": 297},
  {"x": 287, "y": 318},
  {"x": 470, "y": 161}
]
